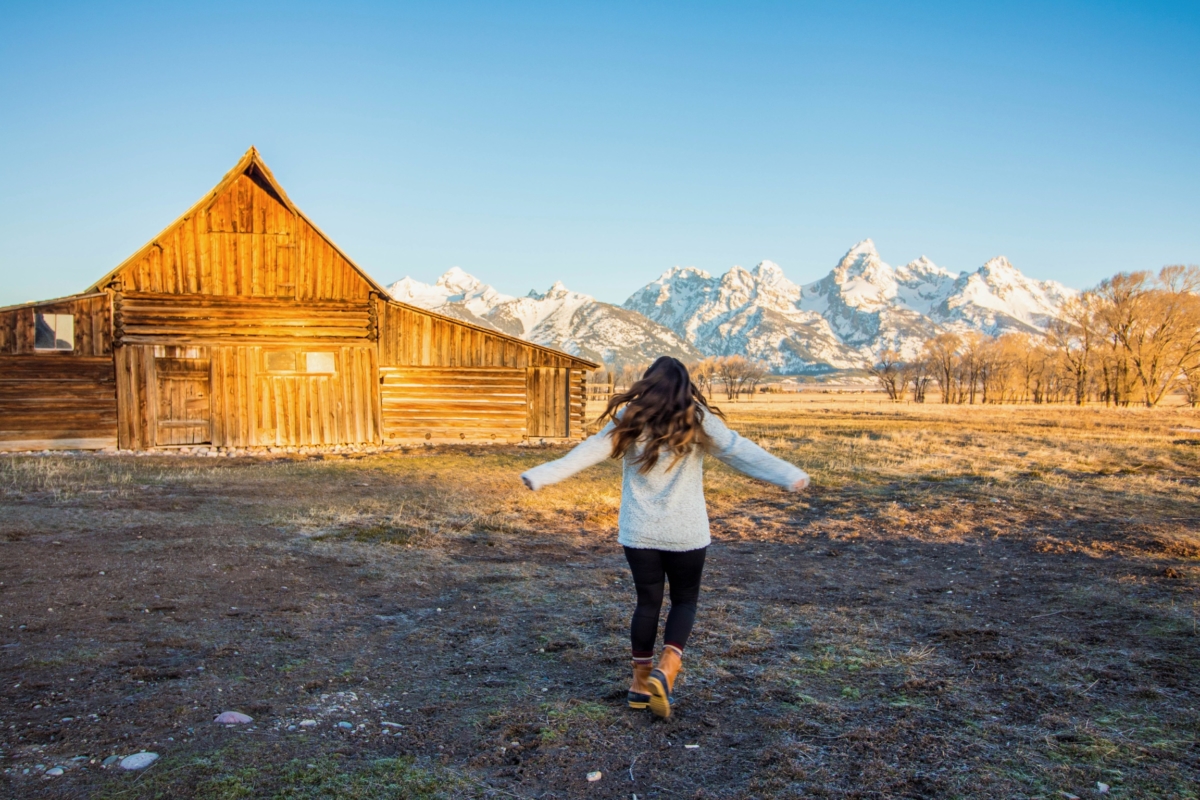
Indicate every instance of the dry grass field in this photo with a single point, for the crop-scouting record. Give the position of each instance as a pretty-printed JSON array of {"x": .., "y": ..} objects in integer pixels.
[{"x": 995, "y": 602}]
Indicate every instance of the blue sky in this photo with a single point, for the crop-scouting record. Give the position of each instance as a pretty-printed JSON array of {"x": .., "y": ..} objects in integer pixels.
[{"x": 602, "y": 144}]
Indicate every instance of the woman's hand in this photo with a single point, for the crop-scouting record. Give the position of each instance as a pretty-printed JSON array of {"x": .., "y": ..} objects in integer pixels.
[{"x": 800, "y": 485}]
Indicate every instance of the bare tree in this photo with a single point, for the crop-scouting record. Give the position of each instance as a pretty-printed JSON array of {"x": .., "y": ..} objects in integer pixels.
[
  {"x": 703, "y": 374},
  {"x": 942, "y": 355},
  {"x": 915, "y": 373},
  {"x": 1190, "y": 383},
  {"x": 758, "y": 370},
  {"x": 972, "y": 364},
  {"x": 738, "y": 373},
  {"x": 1074, "y": 336},
  {"x": 889, "y": 371}
]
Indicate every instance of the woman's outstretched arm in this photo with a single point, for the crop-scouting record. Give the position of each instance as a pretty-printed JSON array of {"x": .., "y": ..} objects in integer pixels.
[
  {"x": 589, "y": 452},
  {"x": 750, "y": 459}
]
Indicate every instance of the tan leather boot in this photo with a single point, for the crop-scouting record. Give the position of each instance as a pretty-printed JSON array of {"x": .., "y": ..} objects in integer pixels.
[
  {"x": 639, "y": 691},
  {"x": 662, "y": 680}
]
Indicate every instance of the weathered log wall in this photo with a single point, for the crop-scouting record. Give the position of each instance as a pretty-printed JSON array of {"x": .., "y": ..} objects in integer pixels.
[
  {"x": 462, "y": 403},
  {"x": 197, "y": 319},
  {"x": 57, "y": 401}
]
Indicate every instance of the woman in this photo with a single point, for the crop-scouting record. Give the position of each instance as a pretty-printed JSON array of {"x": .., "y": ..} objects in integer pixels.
[{"x": 661, "y": 428}]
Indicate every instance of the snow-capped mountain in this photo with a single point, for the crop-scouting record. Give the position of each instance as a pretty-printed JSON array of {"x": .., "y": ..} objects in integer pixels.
[
  {"x": 570, "y": 321},
  {"x": 844, "y": 320},
  {"x": 841, "y": 321},
  {"x": 455, "y": 294},
  {"x": 754, "y": 313}
]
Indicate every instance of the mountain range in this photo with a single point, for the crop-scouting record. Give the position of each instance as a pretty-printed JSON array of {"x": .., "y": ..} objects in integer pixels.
[{"x": 842, "y": 321}]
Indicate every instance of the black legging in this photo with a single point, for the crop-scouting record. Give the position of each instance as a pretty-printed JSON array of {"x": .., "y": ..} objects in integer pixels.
[{"x": 683, "y": 570}]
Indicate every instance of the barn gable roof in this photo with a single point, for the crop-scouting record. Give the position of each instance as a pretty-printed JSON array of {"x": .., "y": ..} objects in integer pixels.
[{"x": 252, "y": 166}]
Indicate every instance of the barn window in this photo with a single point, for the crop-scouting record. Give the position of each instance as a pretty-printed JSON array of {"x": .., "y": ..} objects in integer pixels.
[
  {"x": 53, "y": 331},
  {"x": 319, "y": 362},
  {"x": 281, "y": 360}
]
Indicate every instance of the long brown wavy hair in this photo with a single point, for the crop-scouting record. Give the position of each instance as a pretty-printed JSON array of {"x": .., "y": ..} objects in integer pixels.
[{"x": 664, "y": 410}]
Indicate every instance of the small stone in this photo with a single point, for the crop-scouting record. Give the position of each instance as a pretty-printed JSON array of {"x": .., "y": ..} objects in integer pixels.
[
  {"x": 108, "y": 762},
  {"x": 691, "y": 747},
  {"x": 138, "y": 760},
  {"x": 307, "y": 723},
  {"x": 1102, "y": 788},
  {"x": 346, "y": 725},
  {"x": 232, "y": 718},
  {"x": 594, "y": 776},
  {"x": 54, "y": 773}
]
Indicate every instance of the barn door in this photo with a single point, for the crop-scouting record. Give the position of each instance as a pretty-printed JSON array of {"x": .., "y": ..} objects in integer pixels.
[
  {"x": 184, "y": 384},
  {"x": 548, "y": 393}
]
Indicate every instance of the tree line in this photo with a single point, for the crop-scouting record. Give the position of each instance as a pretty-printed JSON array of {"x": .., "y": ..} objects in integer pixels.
[
  {"x": 1134, "y": 339},
  {"x": 735, "y": 376}
]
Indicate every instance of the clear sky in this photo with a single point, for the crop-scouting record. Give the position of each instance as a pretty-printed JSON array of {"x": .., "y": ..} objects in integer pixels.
[{"x": 601, "y": 144}]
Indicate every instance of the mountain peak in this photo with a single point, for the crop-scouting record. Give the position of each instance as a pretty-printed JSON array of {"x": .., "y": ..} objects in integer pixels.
[
  {"x": 454, "y": 286},
  {"x": 998, "y": 264},
  {"x": 766, "y": 269},
  {"x": 684, "y": 272},
  {"x": 866, "y": 248},
  {"x": 459, "y": 279},
  {"x": 923, "y": 268},
  {"x": 860, "y": 259}
]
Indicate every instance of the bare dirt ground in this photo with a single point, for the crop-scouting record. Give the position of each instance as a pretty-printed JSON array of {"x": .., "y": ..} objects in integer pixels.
[{"x": 973, "y": 602}]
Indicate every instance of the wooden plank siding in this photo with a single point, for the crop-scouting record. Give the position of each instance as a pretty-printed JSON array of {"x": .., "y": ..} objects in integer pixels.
[
  {"x": 295, "y": 408},
  {"x": 57, "y": 402},
  {"x": 250, "y": 404},
  {"x": 184, "y": 396},
  {"x": 549, "y": 402},
  {"x": 247, "y": 243}
]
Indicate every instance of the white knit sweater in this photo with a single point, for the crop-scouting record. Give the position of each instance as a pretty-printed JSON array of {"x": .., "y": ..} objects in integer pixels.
[{"x": 663, "y": 509}]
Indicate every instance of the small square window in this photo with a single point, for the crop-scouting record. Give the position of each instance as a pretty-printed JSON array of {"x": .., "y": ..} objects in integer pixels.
[
  {"x": 53, "y": 331},
  {"x": 281, "y": 361},
  {"x": 319, "y": 362}
]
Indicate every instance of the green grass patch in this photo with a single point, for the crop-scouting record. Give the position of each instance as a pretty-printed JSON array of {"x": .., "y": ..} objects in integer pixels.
[{"x": 226, "y": 776}]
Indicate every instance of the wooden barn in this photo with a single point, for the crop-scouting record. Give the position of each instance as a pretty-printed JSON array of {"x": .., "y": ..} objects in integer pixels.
[{"x": 242, "y": 325}]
